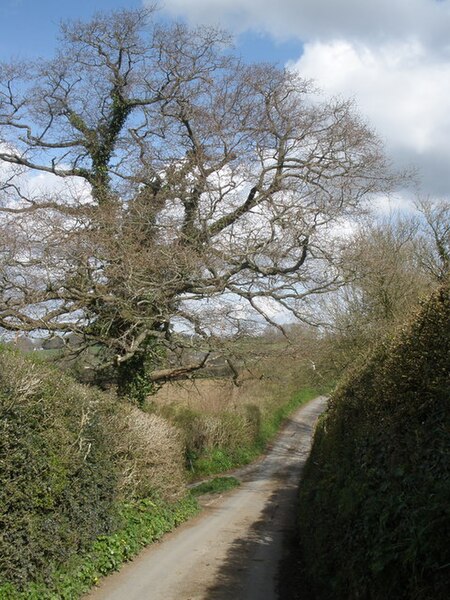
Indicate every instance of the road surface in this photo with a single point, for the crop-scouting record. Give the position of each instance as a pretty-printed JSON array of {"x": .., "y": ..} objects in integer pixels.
[{"x": 232, "y": 549}]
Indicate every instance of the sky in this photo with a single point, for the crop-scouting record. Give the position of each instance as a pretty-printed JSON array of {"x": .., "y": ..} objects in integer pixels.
[{"x": 391, "y": 56}]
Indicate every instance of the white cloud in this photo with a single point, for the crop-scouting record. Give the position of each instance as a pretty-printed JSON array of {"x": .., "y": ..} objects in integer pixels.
[
  {"x": 393, "y": 58},
  {"x": 402, "y": 94},
  {"x": 325, "y": 19},
  {"x": 65, "y": 190},
  {"x": 39, "y": 186},
  {"x": 401, "y": 202},
  {"x": 398, "y": 88}
]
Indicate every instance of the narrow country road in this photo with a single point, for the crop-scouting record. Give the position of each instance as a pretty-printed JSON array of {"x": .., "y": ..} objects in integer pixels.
[{"x": 232, "y": 549}]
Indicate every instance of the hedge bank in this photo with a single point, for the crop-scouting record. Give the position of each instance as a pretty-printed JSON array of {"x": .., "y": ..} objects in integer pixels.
[
  {"x": 374, "y": 500},
  {"x": 71, "y": 459}
]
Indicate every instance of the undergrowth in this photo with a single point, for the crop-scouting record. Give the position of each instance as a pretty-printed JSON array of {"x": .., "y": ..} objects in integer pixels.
[
  {"x": 266, "y": 424},
  {"x": 144, "y": 521}
]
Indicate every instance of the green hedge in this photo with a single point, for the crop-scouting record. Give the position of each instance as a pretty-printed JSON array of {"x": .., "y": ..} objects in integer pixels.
[
  {"x": 57, "y": 477},
  {"x": 374, "y": 500},
  {"x": 75, "y": 464},
  {"x": 143, "y": 522}
]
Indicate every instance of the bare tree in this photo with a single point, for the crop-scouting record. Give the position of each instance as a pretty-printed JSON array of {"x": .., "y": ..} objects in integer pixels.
[
  {"x": 391, "y": 264},
  {"x": 191, "y": 190},
  {"x": 434, "y": 255}
]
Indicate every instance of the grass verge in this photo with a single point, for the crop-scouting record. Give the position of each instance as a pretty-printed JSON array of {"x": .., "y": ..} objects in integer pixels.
[
  {"x": 144, "y": 522},
  {"x": 218, "y": 460},
  {"x": 215, "y": 486}
]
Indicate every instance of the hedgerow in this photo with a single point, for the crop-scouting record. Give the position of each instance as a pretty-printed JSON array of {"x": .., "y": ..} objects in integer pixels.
[
  {"x": 374, "y": 511},
  {"x": 73, "y": 463},
  {"x": 217, "y": 442},
  {"x": 86, "y": 481},
  {"x": 58, "y": 480},
  {"x": 144, "y": 522}
]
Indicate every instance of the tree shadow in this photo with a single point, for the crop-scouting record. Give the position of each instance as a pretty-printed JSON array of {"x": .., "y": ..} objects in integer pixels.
[{"x": 257, "y": 563}]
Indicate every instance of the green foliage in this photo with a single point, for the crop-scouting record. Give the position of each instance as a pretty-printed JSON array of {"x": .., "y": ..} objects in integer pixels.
[
  {"x": 57, "y": 479},
  {"x": 212, "y": 461},
  {"x": 143, "y": 523},
  {"x": 75, "y": 465},
  {"x": 133, "y": 376},
  {"x": 374, "y": 512},
  {"x": 215, "y": 486}
]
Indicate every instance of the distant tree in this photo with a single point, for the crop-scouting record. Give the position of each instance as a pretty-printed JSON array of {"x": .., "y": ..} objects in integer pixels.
[
  {"x": 198, "y": 191},
  {"x": 390, "y": 263},
  {"x": 383, "y": 262},
  {"x": 434, "y": 255}
]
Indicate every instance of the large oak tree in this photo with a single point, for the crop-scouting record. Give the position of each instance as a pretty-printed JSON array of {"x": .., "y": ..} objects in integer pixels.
[{"x": 193, "y": 191}]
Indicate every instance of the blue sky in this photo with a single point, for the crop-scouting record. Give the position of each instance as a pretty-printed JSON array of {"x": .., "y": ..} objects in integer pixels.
[
  {"x": 392, "y": 58},
  {"x": 29, "y": 28}
]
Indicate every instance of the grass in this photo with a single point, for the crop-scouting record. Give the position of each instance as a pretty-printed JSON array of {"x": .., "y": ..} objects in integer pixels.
[
  {"x": 218, "y": 460},
  {"x": 217, "y": 485}
]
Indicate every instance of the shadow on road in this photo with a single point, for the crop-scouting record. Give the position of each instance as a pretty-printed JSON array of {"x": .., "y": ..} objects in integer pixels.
[
  {"x": 253, "y": 561},
  {"x": 248, "y": 558},
  {"x": 274, "y": 465}
]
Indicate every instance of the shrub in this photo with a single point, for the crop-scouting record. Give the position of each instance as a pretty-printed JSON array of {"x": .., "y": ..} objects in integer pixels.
[
  {"x": 70, "y": 457},
  {"x": 144, "y": 522},
  {"x": 150, "y": 455},
  {"x": 374, "y": 498},
  {"x": 57, "y": 480}
]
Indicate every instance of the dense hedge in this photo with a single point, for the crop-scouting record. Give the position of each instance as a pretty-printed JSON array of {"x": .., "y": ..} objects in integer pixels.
[
  {"x": 57, "y": 478},
  {"x": 70, "y": 457},
  {"x": 144, "y": 522},
  {"x": 374, "y": 500}
]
